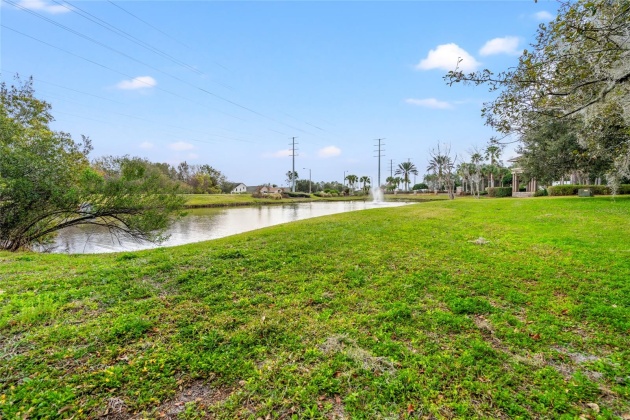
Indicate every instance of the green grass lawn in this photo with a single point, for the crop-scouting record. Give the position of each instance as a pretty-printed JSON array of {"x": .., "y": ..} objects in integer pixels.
[{"x": 494, "y": 308}]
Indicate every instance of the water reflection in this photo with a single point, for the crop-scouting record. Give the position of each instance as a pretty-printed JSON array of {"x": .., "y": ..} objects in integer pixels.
[{"x": 204, "y": 224}]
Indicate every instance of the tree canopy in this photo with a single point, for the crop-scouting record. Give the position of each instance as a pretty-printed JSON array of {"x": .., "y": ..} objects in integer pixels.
[
  {"x": 578, "y": 68},
  {"x": 47, "y": 182}
]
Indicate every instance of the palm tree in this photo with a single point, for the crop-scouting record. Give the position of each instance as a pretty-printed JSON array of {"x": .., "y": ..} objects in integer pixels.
[
  {"x": 405, "y": 169},
  {"x": 493, "y": 151},
  {"x": 476, "y": 168},
  {"x": 463, "y": 171},
  {"x": 365, "y": 180},
  {"x": 442, "y": 166},
  {"x": 352, "y": 179},
  {"x": 391, "y": 182},
  {"x": 291, "y": 177}
]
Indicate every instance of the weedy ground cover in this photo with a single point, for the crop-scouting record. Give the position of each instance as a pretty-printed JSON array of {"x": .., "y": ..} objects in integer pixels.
[{"x": 497, "y": 308}]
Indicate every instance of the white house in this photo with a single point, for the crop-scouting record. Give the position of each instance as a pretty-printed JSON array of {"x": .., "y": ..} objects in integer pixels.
[
  {"x": 239, "y": 188},
  {"x": 270, "y": 190}
]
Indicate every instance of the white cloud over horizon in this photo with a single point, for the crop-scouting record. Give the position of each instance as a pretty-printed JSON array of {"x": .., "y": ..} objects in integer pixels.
[
  {"x": 446, "y": 57},
  {"x": 146, "y": 145},
  {"x": 329, "y": 151},
  {"x": 505, "y": 45},
  {"x": 141, "y": 82},
  {"x": 180, "y": 146},
  {"x": 44, "y": 6},
  {"x": 277, "y": 154},
  {"x": 429, "y": 103},
  {"x": 543, "y": 16}
]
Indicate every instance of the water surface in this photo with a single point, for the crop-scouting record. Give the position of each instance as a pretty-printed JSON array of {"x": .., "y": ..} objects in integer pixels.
[{"x": 204, "y": 224}]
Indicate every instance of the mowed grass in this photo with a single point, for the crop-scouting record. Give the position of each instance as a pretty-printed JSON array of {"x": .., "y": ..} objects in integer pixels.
[{"x": 496, "y": 308}]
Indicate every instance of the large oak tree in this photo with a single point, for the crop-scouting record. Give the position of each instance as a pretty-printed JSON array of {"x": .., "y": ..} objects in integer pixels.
[{"x": 579, "y": 67}]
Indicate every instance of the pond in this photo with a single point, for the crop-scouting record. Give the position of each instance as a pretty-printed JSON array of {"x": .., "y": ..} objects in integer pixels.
[{"x": 204, "y": 224}]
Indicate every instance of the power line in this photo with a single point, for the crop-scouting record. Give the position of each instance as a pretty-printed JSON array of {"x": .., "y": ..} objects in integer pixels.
[
  {"x": 118, "y": 31},
  {"x": 147, "y": 23},
  {"x": 125, "y": 115},
  {"x": 153, "y": 122},
  {"x": 160, "y": 31},
  {"x": 150, "y": 66},
  {"x": 116, "y": 71},
  {"x": 92, "y": 18},
  {"x": 67, "y": 88}
]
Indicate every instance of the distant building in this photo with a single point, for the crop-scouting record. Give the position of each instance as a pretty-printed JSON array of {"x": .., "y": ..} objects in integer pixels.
[
  {"x": 238, "y": 188},
  {"x": 532, "y": 185},
  {"x": 266, "y": 189}
]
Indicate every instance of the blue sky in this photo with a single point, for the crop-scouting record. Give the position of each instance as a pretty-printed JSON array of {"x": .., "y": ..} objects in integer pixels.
[{"x": 229, "y": 83}]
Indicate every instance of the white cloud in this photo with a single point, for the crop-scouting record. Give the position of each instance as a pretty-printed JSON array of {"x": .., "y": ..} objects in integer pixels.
[
  {"x": 429, "y": 103},
  {"x": 543, "y": 16},
  {"x": 505, "y": 45},
  {"x": 141, "y": 82},
  {"x": 329, "y": 151},
  {"x": 446, "y": 56},
  {"x": 44, "y": 6},
  {"x": 180, "y": 145},
  {"x": 146, "y": 145},
  {"x": 278, "y": 154}
]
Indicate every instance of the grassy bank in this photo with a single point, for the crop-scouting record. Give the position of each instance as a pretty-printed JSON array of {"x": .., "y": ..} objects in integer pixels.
[
  {"x": 470, "y": 309},
  {"x": 230, "y": 200}
]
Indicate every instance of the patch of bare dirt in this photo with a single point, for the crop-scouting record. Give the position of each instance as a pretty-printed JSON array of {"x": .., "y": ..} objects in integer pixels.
[
  {"x": 486, "y": 328},
  {"x": 198, "y": 392},
  {"x": 12, "y": 346}
]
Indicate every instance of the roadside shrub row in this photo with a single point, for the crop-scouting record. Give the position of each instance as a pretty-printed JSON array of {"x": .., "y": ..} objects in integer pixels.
[
  {"x": 541, "y": 193},
  {"x": 297, "y": 194},
  {"x": 559, "y": 190},
  {"x": 500, "y": 192}
]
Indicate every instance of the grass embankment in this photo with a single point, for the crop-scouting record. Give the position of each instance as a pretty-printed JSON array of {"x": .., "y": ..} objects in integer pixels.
[
  {"x": 232, "y": 200},
  {"x": 398, "y": 312},
  {"x": 228, "y": 200}
]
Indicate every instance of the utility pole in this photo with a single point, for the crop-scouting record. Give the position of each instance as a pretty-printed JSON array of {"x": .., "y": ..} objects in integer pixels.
[
  {"x": 310, "y": 183},
  {"x": 293, "y": 166},
  {"x": 391, "y": 168},
  {"x": 379, "y": 151}
]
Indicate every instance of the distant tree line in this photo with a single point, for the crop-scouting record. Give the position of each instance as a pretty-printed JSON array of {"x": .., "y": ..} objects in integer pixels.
[{"x": 195, "y": 179}]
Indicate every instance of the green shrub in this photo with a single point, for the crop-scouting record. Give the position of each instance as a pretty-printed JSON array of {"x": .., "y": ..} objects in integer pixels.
[
  {"x": 298, "y": 194},
  {"x": 500, "y": 192},
  {"x": 558, "y": 190},
  {"x": 541, "y": 193}
]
